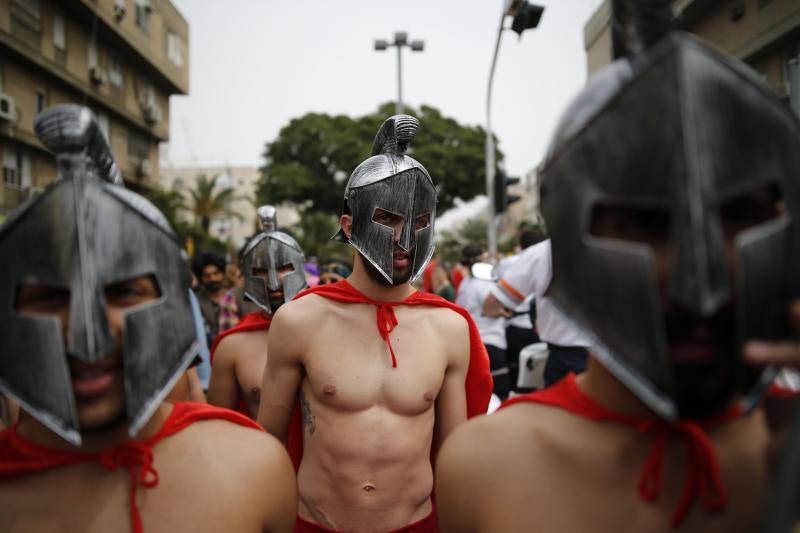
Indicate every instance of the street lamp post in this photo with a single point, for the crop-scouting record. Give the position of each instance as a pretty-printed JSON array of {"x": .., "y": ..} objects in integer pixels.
[
  {"x": 400, "y": 41},
  {"x": 526, "y": 16}
]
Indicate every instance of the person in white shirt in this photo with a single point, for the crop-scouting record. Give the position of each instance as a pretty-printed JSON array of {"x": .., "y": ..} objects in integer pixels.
[
  {"x": 520, "y": 324},
  {"x": 471, "y": 294},
  {"x": 531, "y": 274}
]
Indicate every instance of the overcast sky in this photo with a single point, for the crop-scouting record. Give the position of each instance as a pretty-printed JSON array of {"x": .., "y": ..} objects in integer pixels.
[{"x": 256, "y": 64}]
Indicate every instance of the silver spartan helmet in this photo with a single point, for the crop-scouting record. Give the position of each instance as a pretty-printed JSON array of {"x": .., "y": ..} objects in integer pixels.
[
  {"x": 681, "y": 130},
  {"x": 399, "y": 184},
  {"x": 270, "y": 252},
  {"x": 82, "y": 234}
]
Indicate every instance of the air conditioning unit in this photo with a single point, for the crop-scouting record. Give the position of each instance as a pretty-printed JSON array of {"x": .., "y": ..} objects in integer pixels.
[
  {"x": 145, "y": 169},
  {"x": 152, "y": 113},
  {"x": 8, "y": 107},
  {"x": 119, "y": 12},
  {"x": 97, "y": 75}
]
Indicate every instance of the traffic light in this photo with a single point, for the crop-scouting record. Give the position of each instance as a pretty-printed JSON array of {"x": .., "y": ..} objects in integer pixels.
[
  {"x": 526, "y": 17},
  {"x": 501, "y": 197}
]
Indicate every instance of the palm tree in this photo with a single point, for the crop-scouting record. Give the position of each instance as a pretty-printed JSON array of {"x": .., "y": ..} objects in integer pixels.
[
  {"x": 207, "y": 204},
  {"x": 171, "y": 203}
]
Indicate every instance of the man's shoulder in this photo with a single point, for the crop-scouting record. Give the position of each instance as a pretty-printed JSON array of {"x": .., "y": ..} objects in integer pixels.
[
  {"x": 243, "y": 447},
  {"x": 232, "y": 344},
  {"x": 486, "y": 446},
  {"x": 445, "y": 315},
  {"x": 300, "y": 307}
]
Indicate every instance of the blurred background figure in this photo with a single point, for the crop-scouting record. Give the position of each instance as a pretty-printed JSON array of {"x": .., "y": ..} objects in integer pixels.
[
  {"x": 334, "y": 270},
  {"x": 217, "y": 304},
  {"x": 471, "y": 294},
  {"x": 521, "y": 324}
]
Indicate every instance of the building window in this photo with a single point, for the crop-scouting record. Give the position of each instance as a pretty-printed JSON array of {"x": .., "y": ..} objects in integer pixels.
[
  {"x": 41, "y": 100},
  {"x": 174, "y": 49},
  {"x": 16, "y": 167},
  {"x": 26, "y": 21},
  {"x": 143, "y": 9},
  {"x": 138, "y": 145},
  {"x": 115, "y": 70},
  {"x": 91, "y": 57},
  {"x": 59, "y": 31}
]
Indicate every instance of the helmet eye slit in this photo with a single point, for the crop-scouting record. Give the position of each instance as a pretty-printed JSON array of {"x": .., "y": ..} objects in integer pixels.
[
  {"x": 646, "y": 225},
  {"x": 132, "y": 291},
  {"x": 387, "y": 218},
  {"x": 41, "y": 299},
  {"x": 750, "y": 209}
]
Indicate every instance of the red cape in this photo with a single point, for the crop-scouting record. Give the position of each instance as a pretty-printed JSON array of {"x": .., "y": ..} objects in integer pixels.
[
  {"x": 250, "y": 322},
  {"x": 703, "y": 477},
  {"x": 19, "y": 456},
  {"x": 478, "y": 383}
]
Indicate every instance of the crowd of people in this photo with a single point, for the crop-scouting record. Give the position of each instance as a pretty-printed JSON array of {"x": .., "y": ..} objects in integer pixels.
[{"x": 351, "y": 394}]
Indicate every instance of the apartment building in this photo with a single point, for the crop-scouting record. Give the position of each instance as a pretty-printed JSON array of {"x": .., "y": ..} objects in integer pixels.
[
  {"x": 763, "y": 33},
  {"x": 121, "y": 58}
]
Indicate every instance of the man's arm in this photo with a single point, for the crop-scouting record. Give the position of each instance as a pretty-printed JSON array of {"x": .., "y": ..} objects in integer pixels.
[
  {"x": 196, "y": 393},
  {"x": 451, "y": 404},
  {"x": 493, "y": 307},
  {"x": 457, "y": 498},
  {"x": 223, "y": 388},
  {"x": 284, "y": 371},
  {"x": 279, "y": 495}
]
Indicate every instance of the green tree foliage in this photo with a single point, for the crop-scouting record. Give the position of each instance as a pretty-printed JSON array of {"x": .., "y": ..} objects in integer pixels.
[
  {"x": 314, "y": 231},
  {"x": 471, "y": 231},
  {"x": 172, "y": 204},
  {"x": 312, "y": 157},
  {"x": 206, "y": 202}
]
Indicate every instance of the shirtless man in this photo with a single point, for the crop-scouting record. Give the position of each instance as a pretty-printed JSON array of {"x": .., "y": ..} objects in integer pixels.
[
  {"x": 672, "y": 163},
  {"x": 273, "y": 268},
  {"x": 374, "y": 401},
  {"x": 95, "y": 327}
]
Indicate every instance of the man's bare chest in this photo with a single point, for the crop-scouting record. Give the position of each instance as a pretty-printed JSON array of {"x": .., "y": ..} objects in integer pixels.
[{"x": 350, "y": 366}]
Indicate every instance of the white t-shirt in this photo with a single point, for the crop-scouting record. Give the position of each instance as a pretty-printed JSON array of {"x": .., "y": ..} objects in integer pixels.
[
  {"x": 471, "y": 294},
  {"x": 531, "y": 274}
]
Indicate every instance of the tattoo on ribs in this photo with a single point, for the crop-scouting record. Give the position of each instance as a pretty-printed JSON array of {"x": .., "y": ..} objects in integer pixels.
[{"x": 308, "y": 418}]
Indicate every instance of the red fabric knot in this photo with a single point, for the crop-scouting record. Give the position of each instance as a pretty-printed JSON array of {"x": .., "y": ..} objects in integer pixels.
[
  {"x": 137, "y": 458},
  {"x": 703, "y": 477},
  {"x": 387, "y": 321},
  {"x": 650, "y": 480}
]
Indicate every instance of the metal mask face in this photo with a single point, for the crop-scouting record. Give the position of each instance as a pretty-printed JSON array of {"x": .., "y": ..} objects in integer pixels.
[
  {"x": 270, "y": 252},
  {"x": 89, "y": 234},
  {"x": 677, "y": 134},
  {"x": 400, "y": 185}
]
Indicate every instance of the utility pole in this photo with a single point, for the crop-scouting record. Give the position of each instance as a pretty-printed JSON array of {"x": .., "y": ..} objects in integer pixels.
[
  {"x": 525, "y": 16},
  {"x": 400, "y": 41}
]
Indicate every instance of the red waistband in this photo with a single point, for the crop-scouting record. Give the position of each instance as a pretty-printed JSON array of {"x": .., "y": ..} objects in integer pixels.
[{"x": 429, "y": 524}]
